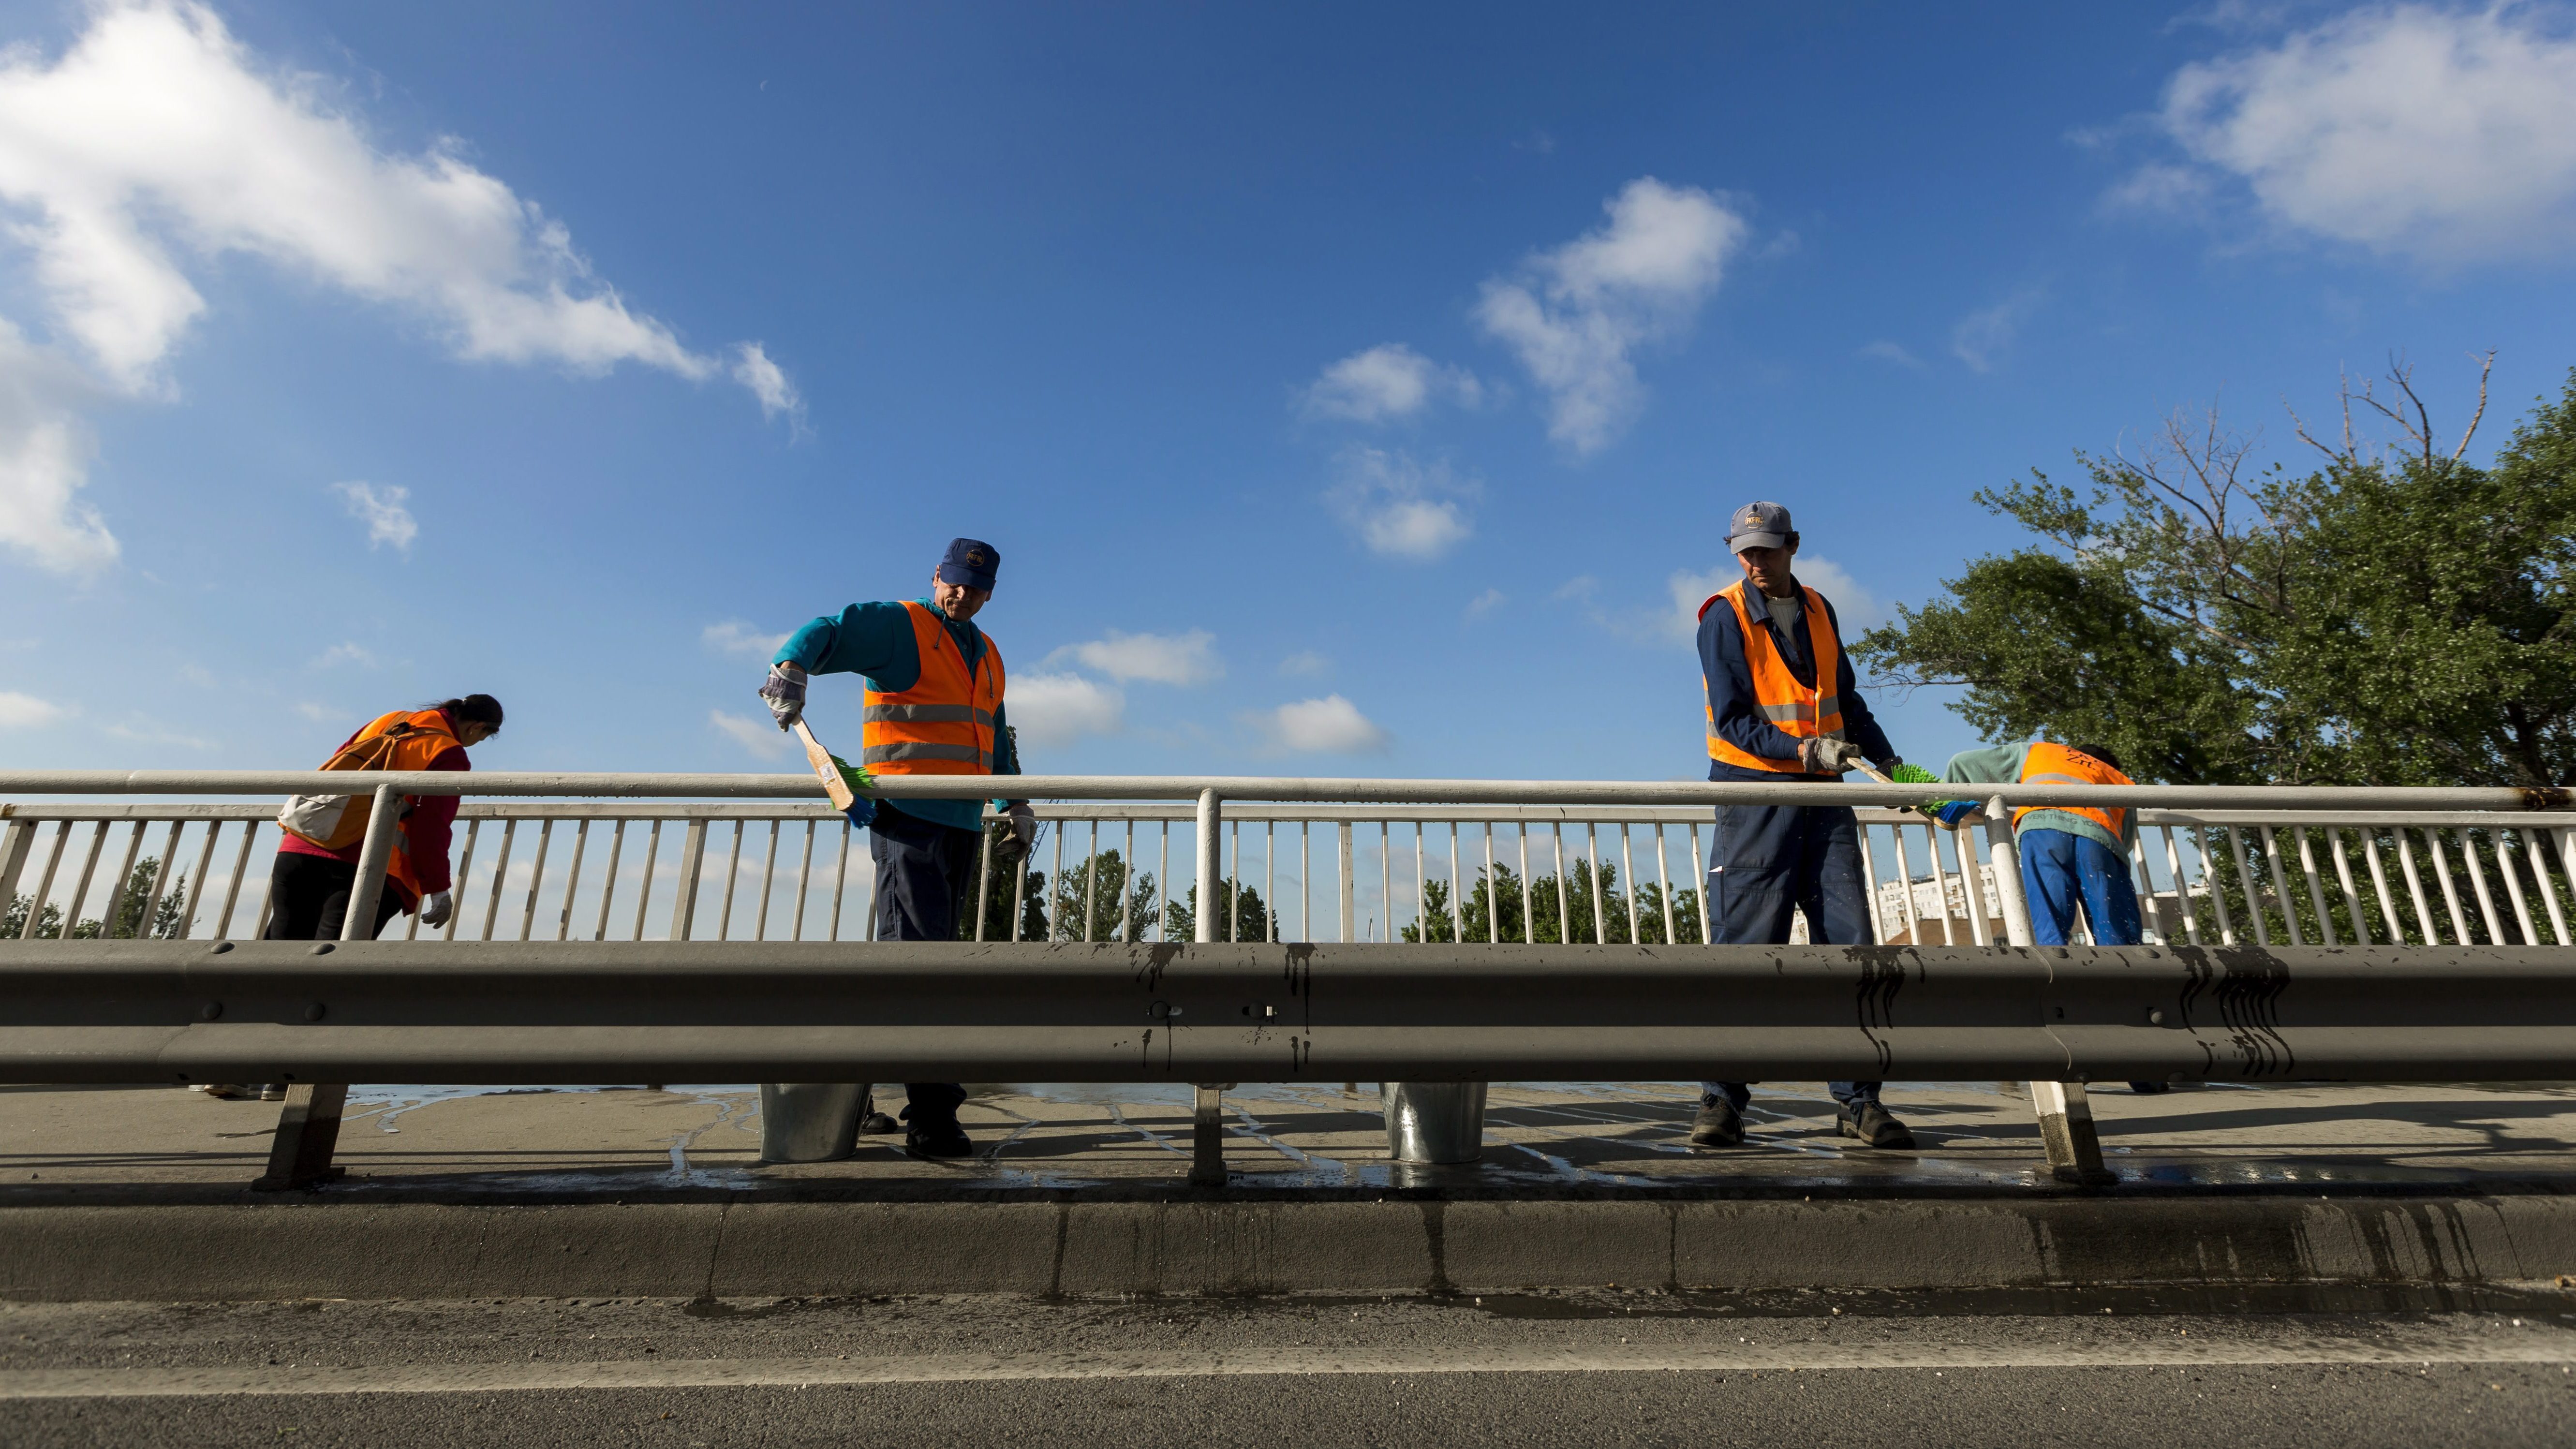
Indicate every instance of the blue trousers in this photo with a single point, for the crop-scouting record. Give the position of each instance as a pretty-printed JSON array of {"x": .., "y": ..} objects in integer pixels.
[
  {"x": 1770, "y": 860},
  {"x": 924, "y": 871},
  {"x": 2062, "y": 872}
]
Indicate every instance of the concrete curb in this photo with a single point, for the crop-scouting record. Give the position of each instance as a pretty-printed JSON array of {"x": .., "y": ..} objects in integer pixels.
[{"x": 764, "y": 1249}]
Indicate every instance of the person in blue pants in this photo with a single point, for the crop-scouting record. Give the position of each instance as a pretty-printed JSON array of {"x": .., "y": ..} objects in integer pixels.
[
  {"x": 2072, "y": 859},
  {"x": 1783, "y": 707}
]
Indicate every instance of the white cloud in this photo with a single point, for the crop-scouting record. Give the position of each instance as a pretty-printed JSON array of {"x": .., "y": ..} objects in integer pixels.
[
  {"x": 1388, "y": 381},
  {"x": 44, "y": 460},
  {"x": 318, "y": 713},
  {"x": 760, "y": 736},
  {"x": 1886, "y": 351},
  {"x": 161, "y": 735},
  {"x": 2443, "y": 134},
  {"x": 1057, "y": 709},
  {"x": 1981, "y": 338},
  {"x": 1328, "y": 726},
  {"x": 767, "y": 381},
  {"x": 1160, "y": 658},
  {"x": 1485, "y": 603},
  {"x": 1304, "y": 661},
  {"x": 344, "y": 654},
  {"x": 1574, "y": 315},
  {"x": 158, "y": 138},
  {"x": 1854, "y": 606},
  {"x": 382, "y": 510},
  {"x": 25, "y": 711},
  {"x": 733, "y": 636},
  {"x": 1401, "y": 506}
]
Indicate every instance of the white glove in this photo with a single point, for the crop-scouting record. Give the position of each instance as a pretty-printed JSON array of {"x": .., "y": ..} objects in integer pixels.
[
  {"x": 1024, "y": 825},
  {"x": 436, "y": 907}
]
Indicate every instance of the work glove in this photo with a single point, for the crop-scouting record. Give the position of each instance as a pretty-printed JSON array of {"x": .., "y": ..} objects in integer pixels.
[
  {"x": 1825, "y": 755},
  {"x": 1955, "y": 813},
  {"x": 1024, "y": 825},
  {"x": 436, "y": 907},
  {"x": 784, "y": 692}
]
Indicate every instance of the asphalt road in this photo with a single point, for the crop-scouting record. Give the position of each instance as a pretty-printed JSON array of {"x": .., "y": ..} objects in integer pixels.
[{"x": 1609, "y": 1368}]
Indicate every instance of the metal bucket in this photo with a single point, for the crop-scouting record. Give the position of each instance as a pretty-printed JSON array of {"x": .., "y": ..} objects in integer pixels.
[
  {"x": 1431, "y": 1122},
  {"x": 811, "y": 1121}
]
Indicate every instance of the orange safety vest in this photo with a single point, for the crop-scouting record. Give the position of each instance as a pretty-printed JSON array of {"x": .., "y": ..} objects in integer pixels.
[
  {"x": 403, "y": 740},
  {"x": 1794, "y": 709},
  {"x": 943, "y": 725},
  {"x": 2048, "y": 764}
]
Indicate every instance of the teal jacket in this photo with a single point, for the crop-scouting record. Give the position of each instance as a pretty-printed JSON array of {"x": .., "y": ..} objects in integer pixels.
[
  {"x": 2002, "y": 765},
  {"x": 875, "y": 641}
]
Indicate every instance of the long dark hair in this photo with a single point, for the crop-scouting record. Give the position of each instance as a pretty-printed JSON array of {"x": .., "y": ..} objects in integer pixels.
[{"x": 480, "y": 709}]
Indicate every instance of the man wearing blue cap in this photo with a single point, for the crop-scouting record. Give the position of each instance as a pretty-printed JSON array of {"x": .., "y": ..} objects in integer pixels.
[
  {"x": 934, "y": 707},
  {"x": 1783, "y": 706}
]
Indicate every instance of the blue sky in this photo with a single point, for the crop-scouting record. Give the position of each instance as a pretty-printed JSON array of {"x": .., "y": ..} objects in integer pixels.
[{"x": 1348, "y": 392}]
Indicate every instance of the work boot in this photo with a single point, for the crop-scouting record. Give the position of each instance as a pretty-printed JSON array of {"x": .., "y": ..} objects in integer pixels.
[
  {"x": 1717, "y": 1125},
  {"x": 876, "y": 1124},
  {"x": 1876, "y": 1126},
  {"x": 222, "y": 1091},
  {"x": 938, "y": 1139},
  {"x": 273, "y": 1092}
]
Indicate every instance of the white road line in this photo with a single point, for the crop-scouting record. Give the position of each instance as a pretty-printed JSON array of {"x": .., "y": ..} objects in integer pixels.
[{"x": 2540, "y": 1347}]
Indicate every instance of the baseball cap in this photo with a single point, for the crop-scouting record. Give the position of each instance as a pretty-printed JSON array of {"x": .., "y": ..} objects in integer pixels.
[
  {"x": 971, "y": 562},
  {"x": 1760, "y": 525}
]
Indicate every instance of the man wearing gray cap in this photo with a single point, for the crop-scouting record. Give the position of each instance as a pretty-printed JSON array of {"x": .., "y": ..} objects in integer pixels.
[{"x": 1783, "y": 706}]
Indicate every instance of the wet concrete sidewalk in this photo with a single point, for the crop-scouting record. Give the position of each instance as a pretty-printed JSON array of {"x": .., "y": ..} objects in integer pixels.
[{"x": 148, "y": 1144}]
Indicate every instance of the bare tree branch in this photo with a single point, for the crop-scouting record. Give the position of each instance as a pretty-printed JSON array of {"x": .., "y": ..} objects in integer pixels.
[{"x": 2486, "y": 365}]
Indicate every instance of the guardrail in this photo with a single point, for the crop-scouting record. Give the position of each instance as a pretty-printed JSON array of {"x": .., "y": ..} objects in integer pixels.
[{"x": 2196, "y": 866}]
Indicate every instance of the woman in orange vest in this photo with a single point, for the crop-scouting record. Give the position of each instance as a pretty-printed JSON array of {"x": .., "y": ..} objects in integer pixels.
[
  {"x": 934, "y": 707},
  {"x": 310, "y": 885},
  {"x": 311, "y": 881}
]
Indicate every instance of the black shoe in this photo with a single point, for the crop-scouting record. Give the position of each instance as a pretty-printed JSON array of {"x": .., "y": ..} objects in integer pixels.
[
  {"x": 1717, "y": 1125},
  {"x": 2149, "y": 1089},
  {"x": 1876, "y": 1126},
  {"x": 876, "y": 1124},
  {"x": 938, "y": 1139}
]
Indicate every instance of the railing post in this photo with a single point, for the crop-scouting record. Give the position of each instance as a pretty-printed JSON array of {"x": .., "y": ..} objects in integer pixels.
[
  {"x": 1350, "y": 913},
  {"x": 308, "y": 1127},
  {"x": 1211, "y": 821},
  {"x": 14, "y": 843},
  {"x": 368, "y": 890},
  {"x": 693, "y": 855},
  {"x": 1207, "y": 1121},
  {"x": 2064, "y": 1110}
]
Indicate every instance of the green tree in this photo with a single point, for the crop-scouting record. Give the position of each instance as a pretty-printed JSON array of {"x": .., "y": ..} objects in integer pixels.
[
  {"x": 169, "y": 917},
  {"x": 1116, "y": 904},
  {"x": 2397, "y": 616},
  {"x": 1534, "y": 913},
  {"x": 1240, "y": 915}
]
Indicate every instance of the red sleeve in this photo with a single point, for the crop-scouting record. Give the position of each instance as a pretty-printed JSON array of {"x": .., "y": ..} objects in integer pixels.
[{"x": 427, "y": 828}]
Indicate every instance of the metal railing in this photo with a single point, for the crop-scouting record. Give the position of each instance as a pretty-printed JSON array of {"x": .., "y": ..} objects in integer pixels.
[
  {"x": 1473, "y": 845},
  {"x": 1496, "y": 872}
]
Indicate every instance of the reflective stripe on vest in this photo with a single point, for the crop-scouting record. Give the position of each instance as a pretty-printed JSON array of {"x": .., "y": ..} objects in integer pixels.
[
  {"x": 1798, "y": 710},
  {"x": 2049, "y": 764},
  {"x": 943, "y": 725}
]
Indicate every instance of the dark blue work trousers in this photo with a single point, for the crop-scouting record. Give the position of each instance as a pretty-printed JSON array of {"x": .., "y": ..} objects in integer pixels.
[
  {"x": 924, "y": 871},
  {"x": 1770, "y": 860}
]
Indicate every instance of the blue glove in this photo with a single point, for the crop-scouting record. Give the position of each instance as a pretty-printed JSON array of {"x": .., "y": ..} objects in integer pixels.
[{"x": 1954, "y": 811}]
